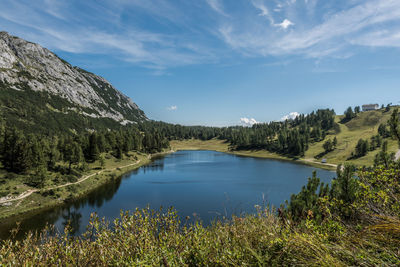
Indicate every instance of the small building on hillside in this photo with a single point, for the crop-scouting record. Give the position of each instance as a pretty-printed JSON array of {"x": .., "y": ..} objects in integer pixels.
[
  {"x": 324, "y": 161},
  {"x": 369, "y": 107}
]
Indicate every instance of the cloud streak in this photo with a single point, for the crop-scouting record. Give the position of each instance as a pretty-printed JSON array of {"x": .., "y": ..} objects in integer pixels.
[
  {"x": 217, "y": 6},
  {"x": 332, "y": 35},
  {"x": 163, "y": 34},
  {"x": 62, "y": 31}
]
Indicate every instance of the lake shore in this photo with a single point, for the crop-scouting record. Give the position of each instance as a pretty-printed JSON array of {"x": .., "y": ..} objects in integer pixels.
[
  {"x": 34, "y": 201},
  {"x": 223, "y": 146}
]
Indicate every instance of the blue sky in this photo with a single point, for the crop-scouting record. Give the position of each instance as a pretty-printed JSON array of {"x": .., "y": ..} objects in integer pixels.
[{"x": 213, "y": 62}]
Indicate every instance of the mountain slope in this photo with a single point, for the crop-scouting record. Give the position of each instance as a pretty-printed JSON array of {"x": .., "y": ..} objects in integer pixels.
[
  {"x": 35, "y": 81},
  {"x": 364, "y": 126}
]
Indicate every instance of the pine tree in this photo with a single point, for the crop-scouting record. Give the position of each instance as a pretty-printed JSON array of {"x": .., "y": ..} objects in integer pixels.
[
  {"x": 328, "y": 146},
  {"x": 93, "y": 149},
  {"x": 395, "y": 125},
  {"x": 73, "y": 154},
  {"x": 349, "y": 114},
  {"x": 344, "y": 187}
]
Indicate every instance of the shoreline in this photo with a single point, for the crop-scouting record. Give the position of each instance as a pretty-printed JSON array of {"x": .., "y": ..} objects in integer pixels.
[
  {"x": 221, "y": 146},
  {"x": 95, "y": 180},
  {"x": 105, "y": 176}
]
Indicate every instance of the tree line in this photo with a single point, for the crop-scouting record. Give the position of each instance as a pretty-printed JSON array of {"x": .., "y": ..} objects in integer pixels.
[
  {"x": 290, "y": 137},
  {"x": 351, "y": 194},
  {"x": 22, "y": 153}
]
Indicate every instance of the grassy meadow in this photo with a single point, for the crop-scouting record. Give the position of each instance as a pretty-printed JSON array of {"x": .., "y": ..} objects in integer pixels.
[{"x": 364, "y": 126}]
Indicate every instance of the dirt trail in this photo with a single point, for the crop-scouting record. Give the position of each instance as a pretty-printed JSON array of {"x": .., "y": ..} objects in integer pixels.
[
  {"x": 84, "y": 178},
  {"x": 397, "y": 157},
  {"x": 320, "y": 163}
]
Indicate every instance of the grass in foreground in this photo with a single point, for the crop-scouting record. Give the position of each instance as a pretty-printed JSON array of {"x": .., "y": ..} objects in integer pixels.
[
  {"x": 353, "y": 222},
  {"x": 145, "y": 238}
]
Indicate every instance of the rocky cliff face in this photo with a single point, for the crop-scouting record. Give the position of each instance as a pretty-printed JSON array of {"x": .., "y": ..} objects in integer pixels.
[{"x": 29, "y": 66}]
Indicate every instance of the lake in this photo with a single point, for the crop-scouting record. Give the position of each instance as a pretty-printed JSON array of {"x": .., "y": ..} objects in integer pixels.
[{"x": 204, "y": 185}]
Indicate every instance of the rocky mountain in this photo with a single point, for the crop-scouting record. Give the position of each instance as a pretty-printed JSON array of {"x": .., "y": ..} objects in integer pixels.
[{"x": 32, "y": 75}]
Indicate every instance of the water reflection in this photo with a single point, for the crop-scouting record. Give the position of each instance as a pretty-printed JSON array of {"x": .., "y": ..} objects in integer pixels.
[
  {"x": 202, "y": 185},
  {"x": 70, "y": 213},
  {"x": 72, "y": 220}
]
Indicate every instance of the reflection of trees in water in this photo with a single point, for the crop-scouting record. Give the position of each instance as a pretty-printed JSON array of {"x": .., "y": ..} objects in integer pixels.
[
  {"x": 154, "y": 166},
  {"x": 70, "y": 211},
  {"x": 100, "y": 195},
  {"x": 72, "y": 219},
  {"x": 157, "y": 164}
]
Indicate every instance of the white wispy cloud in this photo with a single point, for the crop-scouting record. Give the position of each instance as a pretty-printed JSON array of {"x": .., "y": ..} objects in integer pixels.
[
  {"x": 58, "y": 30},
  {"x": 333, "y": 35},
  {"x": 248, "y": 121},
  {"x": 379, "y": 38},
  {"x": 290, "y": 116},
  {"x": 217, "y": 6},
  {"x": 172, "y": 108},
  {"x": 285, "y": 24},
  {"x": 264, "y": 11},
  {"x": 201, "y": 32}
]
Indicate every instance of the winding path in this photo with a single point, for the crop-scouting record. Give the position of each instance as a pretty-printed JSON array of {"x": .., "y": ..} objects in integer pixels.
[
  {"x": 84, "y": 178},
  {"x": 320, "y": 163}
]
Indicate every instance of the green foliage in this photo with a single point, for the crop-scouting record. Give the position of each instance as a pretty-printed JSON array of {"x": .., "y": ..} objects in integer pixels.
[
  {"x": 349, "y": 115},
  {"x": 345, "y": 185},
  {"x": 353, "y": 222},
  {"x": 38, "y": 178},
  {"x": 383, "y": 131},
  {"x": 312, "y": 196},
  {"x": 93, "y": 152},
  {"x": 329, "y": 146},
  {"x": 45, "y": 113},
  {"x": 148, "y": 238},
  {"x": 26, "y": 154},
  {"x": 291, "y": 137},
  {"x": 361, "y": 149},
  {"x": 102, "y": 161},
  {"x": 394, "y": 124},
  {"x": 306, "y": 202},
  {"x": 383, "y": 157}
]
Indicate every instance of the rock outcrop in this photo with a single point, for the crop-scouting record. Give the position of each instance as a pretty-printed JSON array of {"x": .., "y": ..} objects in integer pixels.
[{"x": 24, "y": 64}]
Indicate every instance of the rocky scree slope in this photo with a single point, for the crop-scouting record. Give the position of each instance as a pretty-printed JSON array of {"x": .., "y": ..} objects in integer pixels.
[{"x": 28, "y": 68}]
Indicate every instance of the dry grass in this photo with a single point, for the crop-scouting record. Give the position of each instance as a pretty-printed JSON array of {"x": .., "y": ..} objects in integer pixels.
[{"x": 147, "y": 238}]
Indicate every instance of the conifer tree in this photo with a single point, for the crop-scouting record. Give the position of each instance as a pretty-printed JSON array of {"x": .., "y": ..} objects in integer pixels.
[{"x": 93, "y": 149}]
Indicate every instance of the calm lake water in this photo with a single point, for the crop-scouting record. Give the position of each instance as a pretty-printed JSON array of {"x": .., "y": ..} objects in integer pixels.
[{"x": 201, "y": 184}]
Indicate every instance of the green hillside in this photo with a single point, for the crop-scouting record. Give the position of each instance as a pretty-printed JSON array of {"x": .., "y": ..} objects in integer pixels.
[
  {"x": 258, "y": 143},
  {"x": 363, "y": 126}
]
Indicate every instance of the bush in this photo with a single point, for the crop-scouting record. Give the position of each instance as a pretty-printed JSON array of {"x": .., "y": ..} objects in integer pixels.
[{"x": 71, "y": 178}]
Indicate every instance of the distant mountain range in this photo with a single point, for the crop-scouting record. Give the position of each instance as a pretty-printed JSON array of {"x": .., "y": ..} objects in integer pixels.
[{"x": 41, "y": 92}]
